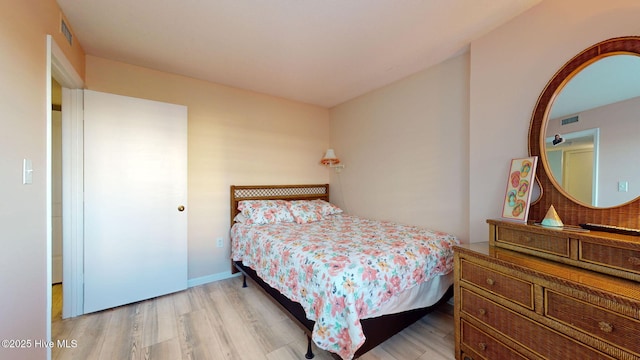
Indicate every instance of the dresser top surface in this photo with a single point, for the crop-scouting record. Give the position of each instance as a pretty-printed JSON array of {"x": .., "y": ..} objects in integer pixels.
[{"x": 592, "y": 236}]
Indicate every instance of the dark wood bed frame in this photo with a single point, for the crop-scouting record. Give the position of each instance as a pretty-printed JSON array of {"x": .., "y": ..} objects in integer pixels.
[{"x": 376, "y": 330}]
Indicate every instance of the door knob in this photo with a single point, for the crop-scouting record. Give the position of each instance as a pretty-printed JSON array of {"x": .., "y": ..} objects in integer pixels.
[{"x": 181, "y": 208}]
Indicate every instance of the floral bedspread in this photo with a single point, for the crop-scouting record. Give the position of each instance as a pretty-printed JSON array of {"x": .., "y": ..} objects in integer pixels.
[{"x": 341, "y": 268}]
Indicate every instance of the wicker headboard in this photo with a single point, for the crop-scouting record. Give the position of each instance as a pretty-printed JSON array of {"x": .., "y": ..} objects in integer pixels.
[{"x": 276, "y": 192}]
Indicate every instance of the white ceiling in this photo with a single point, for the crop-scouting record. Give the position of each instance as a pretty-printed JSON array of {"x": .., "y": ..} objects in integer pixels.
[{"x": 321, "y": 52}]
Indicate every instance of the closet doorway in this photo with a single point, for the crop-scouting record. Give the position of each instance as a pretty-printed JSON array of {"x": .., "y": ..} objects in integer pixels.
[{"x": 56, "y": 200}]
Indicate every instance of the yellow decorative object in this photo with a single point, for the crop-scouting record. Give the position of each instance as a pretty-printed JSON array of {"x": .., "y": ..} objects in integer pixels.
[{"x": 552, "y": 218}]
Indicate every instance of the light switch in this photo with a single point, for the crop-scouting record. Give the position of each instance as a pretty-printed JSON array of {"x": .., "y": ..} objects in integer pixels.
[
  {"x": 27, "y": 172},
  {"x": 623, "y": 186}
]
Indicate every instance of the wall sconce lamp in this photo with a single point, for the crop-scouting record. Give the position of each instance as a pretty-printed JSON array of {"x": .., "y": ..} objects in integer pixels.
[{"x": 332, "y": 161}]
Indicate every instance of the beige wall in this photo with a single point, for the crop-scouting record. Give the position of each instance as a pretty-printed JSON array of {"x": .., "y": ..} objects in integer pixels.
[
  {"x": 23, "y": 133},
  {"x": 235, "y": 137},
  {"x": 406, "y": 152},
  {"x": 509, "y": 69}
]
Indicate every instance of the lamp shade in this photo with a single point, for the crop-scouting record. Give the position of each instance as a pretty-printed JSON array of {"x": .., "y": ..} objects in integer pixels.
[{"x": 330, "y": 158}]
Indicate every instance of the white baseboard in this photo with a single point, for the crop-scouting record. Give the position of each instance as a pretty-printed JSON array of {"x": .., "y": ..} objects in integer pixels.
[{"x": 211, "y": 278}]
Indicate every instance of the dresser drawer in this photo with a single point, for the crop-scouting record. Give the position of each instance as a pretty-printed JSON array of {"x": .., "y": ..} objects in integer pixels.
[
  {"x": 547, "y": 343},
  {"x": 511, "y": 288},
  {"x": 601, "y": 323},
  {"x": 610, "y": 256},
  {"x": 556, "y": 245},
  {"x": 485, "y": 345}
]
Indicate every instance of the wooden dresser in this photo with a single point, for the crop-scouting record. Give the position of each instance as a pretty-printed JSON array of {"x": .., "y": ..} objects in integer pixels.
[{"x": 536, "y": 293}]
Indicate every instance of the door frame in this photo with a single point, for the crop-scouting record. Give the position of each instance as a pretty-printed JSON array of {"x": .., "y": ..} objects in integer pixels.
[
  {"x": 72, "y": 203},
  {"x": 60, "y": 68}
]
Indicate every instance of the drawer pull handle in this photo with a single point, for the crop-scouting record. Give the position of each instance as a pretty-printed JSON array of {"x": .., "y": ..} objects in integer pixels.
[
  {"x": 481, "y": 312},
  {"x": 490, "y": 281},
  {"x": 634, "y": 261},
  {"x": 482, "y": 346},
  {"x": 605, "y": 327}
]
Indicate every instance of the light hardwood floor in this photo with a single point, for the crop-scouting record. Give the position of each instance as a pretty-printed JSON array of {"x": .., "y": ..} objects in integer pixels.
[{"x": 222, "y": 320}]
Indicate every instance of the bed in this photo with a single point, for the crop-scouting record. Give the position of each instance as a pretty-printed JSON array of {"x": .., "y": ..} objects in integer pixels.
[{"x": 333, "y": 273}]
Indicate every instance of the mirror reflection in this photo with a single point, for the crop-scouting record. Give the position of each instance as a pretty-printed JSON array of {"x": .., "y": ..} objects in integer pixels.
[{"x": 592, "y": 139}]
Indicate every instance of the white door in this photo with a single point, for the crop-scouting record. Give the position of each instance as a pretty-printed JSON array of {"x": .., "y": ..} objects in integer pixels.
[
  {"x": 135, "y": 179},
  {"x": 578, "y": 174}
]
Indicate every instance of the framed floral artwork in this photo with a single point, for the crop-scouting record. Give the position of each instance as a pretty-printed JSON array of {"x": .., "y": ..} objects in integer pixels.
[{"x": 517, "y": 197}]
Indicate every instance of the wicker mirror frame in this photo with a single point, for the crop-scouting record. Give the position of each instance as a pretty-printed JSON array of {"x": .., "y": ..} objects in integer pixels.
[{"x": 570, "y": 211}]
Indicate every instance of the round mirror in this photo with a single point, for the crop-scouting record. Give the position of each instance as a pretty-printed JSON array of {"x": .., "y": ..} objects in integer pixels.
[
  {"x": 592, "y": 136},
  {"x": 587, "y": 119}
]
